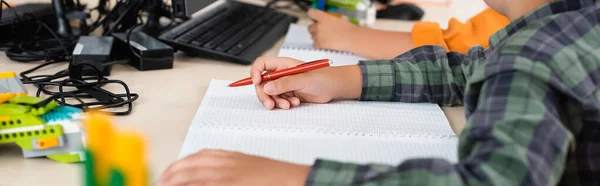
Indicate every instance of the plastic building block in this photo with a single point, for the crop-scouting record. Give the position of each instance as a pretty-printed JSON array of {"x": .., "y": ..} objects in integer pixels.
[
  {"x": 359, "y": 12},
  {"x": 113, "y": 158},
  {"x": 60, "y": 113},
  {"x": 33, "y": 103},
  {"x": 10, "y": 86},
  {"x": 47, "y": 143},
  {"x": 67, "y": 157},
  {"x": 42, "y": 128}
]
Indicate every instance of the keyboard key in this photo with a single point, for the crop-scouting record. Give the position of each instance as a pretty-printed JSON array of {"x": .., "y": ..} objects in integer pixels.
[
  {"x": 237, "y": 49},
  {"x": 275, "y": 19},
  {"x": 238, "y": 36},
  {"x": 223, "y": 36},
  {"x": 199, "y": 29},
  {"x": 232, "y": 31}
]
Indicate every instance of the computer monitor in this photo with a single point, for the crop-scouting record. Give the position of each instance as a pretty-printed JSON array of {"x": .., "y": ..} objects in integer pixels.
[{"x": 185, "y": 8}]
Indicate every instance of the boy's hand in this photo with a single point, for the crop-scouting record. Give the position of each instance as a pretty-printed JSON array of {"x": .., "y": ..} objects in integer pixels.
[
  {"x": 330, "y": 32},
  {"x": 318, "y": 86},
  {"x": 216, "y": 167}
]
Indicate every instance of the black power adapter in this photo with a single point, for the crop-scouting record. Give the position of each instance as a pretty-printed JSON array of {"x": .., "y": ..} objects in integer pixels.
[
  {"x": 94, "y": 48},
  {"x": 144, "y": 51}
]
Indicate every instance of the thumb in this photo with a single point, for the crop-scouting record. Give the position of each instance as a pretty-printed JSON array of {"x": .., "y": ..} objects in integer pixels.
[
  {"x": 317, "y": 15},
  {"x": 286, "y": 84}
]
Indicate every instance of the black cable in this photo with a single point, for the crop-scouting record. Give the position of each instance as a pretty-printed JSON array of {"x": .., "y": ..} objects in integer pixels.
[
  {"x": 8, "y": 7},
  {"x": 104, "y": 19},
  {"x": 68, "y": 85},
  {"x": 38, "y": 48},
  {"x": 62, "y": 80},
  {"x": 127, "y": 38},
  {"x": 109, "y": 30}
]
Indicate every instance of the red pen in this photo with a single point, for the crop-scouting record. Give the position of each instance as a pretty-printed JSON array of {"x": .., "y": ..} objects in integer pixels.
[{"x": 286, "y": 72}]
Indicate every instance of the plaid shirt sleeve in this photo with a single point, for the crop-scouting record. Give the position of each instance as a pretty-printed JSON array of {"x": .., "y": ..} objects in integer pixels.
[
  {"x": 498, "y": 146},
  {"x": 424, "y": 74}
]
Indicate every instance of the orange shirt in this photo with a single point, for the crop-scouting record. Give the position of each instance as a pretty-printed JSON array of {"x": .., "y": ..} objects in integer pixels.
[{"x": 459, "y": 37}]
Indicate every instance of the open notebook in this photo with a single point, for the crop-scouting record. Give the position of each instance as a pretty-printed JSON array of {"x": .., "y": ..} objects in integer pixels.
[
  {"x": 350, "y": 131},
  {"x": 298, "y": 44}
]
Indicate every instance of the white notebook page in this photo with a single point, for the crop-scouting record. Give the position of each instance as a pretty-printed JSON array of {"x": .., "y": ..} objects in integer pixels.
[
  {"x": 234, "y": 119},
  {"x": 298, "y": 44}
]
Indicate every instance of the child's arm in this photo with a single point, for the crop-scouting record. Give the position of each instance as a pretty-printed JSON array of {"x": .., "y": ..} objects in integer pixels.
[
  {"x": 514, "y": 136},
  {"x": 425, "y": 74},
  {"x": 330, "y": 32}
]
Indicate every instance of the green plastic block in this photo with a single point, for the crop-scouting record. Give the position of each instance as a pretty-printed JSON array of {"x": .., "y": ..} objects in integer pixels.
[
  {"x": 347, "y": 4},
  {"x": 116, "y": 178},
  {"x": 19, "y": 120},
  {"x": 8, "y": 109},
  {"x": 23, "y": 139},
  {"x": 66, "y": 158},
  {"x": 30, "y": 100},
  {"x": 88, "y": 164}
]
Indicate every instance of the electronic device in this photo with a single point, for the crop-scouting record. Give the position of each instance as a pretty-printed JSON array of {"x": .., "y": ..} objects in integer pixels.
[
  {"x": 402, "y": 12},
  {"x": 143, "y": 51},
  {"x": 39, "y": 10},
  {"x": 185, "y": 8},
  {"x": 14, "y": 19},
  {"x": 228, "y": 30},
  {"x": 94, "y": 48},
  {"x": 63, "y": 29}
]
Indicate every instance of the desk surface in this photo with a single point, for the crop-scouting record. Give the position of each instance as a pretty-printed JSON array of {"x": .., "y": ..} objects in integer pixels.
[{"x": 167, "y": 104}]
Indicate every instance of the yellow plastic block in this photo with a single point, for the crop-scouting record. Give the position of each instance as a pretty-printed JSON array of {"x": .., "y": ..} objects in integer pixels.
[
  {"x": 127, "y": 156},
  {"x": 7, "y": 75},
  {"x": 100, "y": 134},
  {"x": 4, "y": 97},
  {"x": 47, "y": 143}
]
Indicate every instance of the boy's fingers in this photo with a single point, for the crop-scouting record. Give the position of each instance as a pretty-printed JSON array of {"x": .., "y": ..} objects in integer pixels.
[
  {"x": 294, "y": 101},
  {"x": 286, "y": 84},
  {"x": 265, "y": 99},
  {"x": 269, "y": 63},
  {"x": 281, "y": 102}
]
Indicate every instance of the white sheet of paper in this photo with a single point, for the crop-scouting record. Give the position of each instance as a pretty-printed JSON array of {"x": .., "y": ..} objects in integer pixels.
[
  {"x": 353, "y": 131},
  {"x": 298, "y": 44}
]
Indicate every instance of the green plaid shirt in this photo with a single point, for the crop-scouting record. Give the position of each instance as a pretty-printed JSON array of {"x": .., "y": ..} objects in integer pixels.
[{"x": 531, "y": 102}]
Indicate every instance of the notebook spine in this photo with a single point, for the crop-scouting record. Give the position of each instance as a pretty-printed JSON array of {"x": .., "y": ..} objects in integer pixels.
[{"x": 317, "y": 50}]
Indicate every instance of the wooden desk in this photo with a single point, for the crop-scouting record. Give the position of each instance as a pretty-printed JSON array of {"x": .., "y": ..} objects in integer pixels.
[{"x": 167, "y": 104}]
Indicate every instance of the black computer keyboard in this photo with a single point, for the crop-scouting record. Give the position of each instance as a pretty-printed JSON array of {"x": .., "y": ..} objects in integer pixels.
[
  {"x": 237, "y": 32},
  {"x": 35, "y": 10}
]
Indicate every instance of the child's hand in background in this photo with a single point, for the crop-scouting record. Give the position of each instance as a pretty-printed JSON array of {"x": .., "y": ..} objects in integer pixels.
[
  {"x": 330, "y": 32},
  {"x": 318, "y": 86}
]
